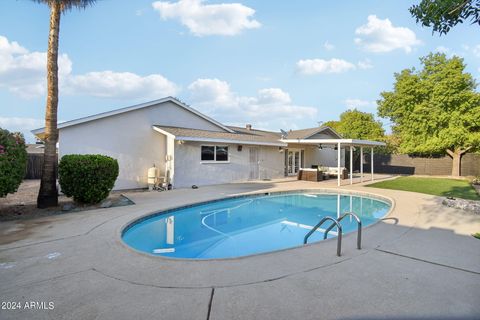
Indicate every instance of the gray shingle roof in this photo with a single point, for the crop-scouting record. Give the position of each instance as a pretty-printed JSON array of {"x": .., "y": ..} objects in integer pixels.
[{"x": 253, "y": 136}]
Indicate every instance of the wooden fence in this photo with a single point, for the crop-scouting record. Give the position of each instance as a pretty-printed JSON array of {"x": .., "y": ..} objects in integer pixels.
[{"x": 34, "y": 166}]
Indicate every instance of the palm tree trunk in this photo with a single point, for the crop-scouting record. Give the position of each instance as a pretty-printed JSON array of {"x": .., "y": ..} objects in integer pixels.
[{"x": 48, "y": 194}]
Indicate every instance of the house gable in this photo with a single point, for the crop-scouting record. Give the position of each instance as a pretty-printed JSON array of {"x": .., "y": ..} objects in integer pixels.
[
  {"x": 173, "y": 112},
  {"x": 326, "y": 133}
]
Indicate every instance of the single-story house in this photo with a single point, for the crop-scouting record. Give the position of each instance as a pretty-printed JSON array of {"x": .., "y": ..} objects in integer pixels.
[{"x": 189, "y": 148}]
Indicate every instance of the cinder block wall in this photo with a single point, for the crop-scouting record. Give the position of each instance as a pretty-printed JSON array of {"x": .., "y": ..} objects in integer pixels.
[{"x": 435, "y": 165}]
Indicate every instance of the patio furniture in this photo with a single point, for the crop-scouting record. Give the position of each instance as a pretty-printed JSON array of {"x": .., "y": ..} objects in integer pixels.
[
  {"x": 310, "y": 174},
  {"x": 333, "y": 171}
]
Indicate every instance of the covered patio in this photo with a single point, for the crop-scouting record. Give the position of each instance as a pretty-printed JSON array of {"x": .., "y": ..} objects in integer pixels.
[{"x": 347, "y": 144}]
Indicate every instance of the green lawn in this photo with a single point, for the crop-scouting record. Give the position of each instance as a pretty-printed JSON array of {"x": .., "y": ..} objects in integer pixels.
[{"x": 436, "y": 186}]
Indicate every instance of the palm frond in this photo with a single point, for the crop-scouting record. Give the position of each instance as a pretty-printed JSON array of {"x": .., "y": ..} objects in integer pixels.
[{"x": 68, "y": 4}]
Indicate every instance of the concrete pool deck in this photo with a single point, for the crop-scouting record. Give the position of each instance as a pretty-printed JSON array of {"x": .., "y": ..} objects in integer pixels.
[{"x": 419, "y": 262}]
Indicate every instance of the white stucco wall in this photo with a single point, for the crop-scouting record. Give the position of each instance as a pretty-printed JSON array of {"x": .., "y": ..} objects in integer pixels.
[
  {"x": 189, "y": 170},
  {"x": 325, "y": 157},
  {"x": 129, "y": 138},
  {"x": 314, "y": 156}
]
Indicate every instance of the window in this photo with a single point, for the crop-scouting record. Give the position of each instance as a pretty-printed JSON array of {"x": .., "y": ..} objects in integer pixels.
[
  {"x": 215, "y": 153},
  {"x": 221, "y": 154},
  {"x": 208, "y": 153}
]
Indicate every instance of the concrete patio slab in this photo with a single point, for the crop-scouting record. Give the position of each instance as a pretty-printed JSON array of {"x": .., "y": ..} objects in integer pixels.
[
  {"x": 89, "y": 295},
  {"x": 418, "y": 262},
  {"x": 371, "y": 286}
]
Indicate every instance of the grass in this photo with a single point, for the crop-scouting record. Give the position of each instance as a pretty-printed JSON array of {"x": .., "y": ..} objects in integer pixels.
[
  {"x": 476, "y": 235},
  {"x": 435, "y": 186}
]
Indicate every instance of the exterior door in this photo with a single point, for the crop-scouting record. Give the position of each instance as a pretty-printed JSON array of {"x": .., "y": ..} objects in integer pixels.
[
  {"x": 254, "y": 170},
  {"x": 294, "y": 160}
]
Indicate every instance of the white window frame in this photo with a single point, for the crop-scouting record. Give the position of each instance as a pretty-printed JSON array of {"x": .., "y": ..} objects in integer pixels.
[{"x": 214, "y": 154}]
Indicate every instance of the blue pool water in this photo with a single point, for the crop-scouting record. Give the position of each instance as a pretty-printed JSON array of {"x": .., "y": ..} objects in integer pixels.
[{"x": 247, "y": 225}]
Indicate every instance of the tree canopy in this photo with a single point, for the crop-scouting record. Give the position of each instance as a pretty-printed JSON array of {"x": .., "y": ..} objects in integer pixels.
[
  {"x": 355, "y": 124},
  {"x": 442, "y": 15},
  {"x": 435, "y": 109},
  {"x": 68, "y": 4}
]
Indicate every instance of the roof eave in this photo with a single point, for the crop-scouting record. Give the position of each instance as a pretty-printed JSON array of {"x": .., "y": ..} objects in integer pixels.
[
  {"x": 232, "y": 141},
  {"x": 348, "y": 142}
]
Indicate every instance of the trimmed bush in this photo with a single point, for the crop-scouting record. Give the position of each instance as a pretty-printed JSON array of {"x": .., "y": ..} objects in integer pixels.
[
  {"x": 13, "y": 161},
  {"x": 88, "y": 178}
]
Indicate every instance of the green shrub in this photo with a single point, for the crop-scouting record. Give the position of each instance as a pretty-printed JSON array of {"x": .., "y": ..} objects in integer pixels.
[
  {"x": 87, "y": 178},
  {"x": 13, "y": 161}
]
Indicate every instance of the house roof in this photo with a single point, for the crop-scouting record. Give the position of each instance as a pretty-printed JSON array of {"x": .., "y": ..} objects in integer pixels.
[
  {"x": 40, "y": 131},
  {"x": 265, "y": 133},
  {"x": 239, "y": 135},
  {"x": 35, "y": 148},
  {"x": 307, "y": 133}
]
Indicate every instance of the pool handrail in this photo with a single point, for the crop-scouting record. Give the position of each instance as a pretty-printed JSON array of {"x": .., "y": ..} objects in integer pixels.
[
  {"x": 359, "y": 227},
  {"x": 339, "y": 237}
]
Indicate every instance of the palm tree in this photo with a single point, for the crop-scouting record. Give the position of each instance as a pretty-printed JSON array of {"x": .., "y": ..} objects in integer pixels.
[{"x": 48, "y": 194}]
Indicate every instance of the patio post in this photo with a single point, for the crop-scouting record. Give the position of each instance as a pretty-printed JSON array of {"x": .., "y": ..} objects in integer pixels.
[
  {"x": 371, "y": 161},
  {"x": 361, "y": 163},
  {"x": 338, "y": 206},
  {"x": 351, "y": 164},
  {"x": 339, "y": 155}
]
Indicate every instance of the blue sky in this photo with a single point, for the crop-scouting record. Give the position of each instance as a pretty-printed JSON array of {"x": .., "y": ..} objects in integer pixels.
[{"x": 275, "y": 64}]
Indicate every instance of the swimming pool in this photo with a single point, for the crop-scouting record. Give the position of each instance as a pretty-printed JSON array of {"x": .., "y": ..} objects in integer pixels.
[{"x": 247, "y": 225}]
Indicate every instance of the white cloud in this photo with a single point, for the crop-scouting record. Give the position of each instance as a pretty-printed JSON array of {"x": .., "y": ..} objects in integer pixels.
[
  {"x": 24, "y": 74},
  {"x": 109, "y": 84},
  {"x": 328, "y": 46},
  {"x": 472, "y": 49},
  {"x": 271, "y": 108},
  {"x": 273, "y": 96},
  {"x": 215, "y": 91},
  {"x": 442, "y": 49},
  {"x": 263, "y": 78},
  {"x": 381, "y": 36},
  {"x": 202, "y": 19},
  {"x": 360, "y": 104},
  {"x": 316, "y": 66},
  {"x": 365, "y": 64},
  {"x": 476, "y": 50},
  {"x": 23, "y": 125}
]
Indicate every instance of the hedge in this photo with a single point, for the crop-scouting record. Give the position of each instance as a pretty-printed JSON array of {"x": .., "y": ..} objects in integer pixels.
[
  {"x": 13, "y": 161},
  {"x": 87, "y": 178}
]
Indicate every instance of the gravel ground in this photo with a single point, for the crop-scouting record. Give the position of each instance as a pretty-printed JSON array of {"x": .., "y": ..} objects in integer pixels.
[{"x": 23, "y": 203}]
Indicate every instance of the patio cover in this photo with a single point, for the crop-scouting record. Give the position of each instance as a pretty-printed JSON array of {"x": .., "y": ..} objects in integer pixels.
[{"x": 351, "y": 143}]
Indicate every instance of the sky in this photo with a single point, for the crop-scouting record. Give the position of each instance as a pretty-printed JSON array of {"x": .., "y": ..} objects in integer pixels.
[{"x": 273, "y": 64}]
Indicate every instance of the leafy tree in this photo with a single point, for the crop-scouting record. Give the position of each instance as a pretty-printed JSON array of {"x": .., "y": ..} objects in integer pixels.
[
  {"x": 442, "y": 15},
  {"x": 435, "y": 109},
  {"x": 356, "y": 124},
  {"x": 13, "y": 161},
  {"x": 48, "y": 194}
]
